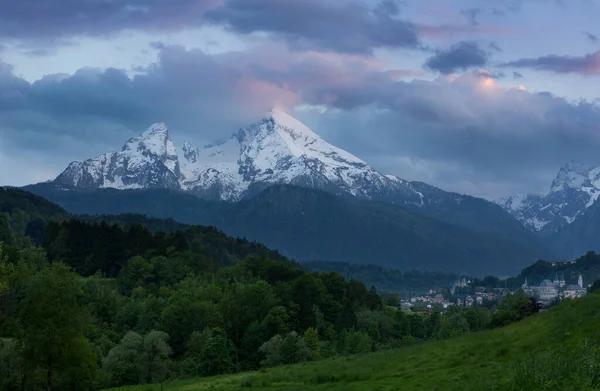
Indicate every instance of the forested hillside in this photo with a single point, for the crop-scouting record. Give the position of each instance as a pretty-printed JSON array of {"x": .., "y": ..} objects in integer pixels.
[
  {"x": 309, "y": 225},
  {"x": 26, "y": 214},
  {"x": 405, "y": 283},
  {"x": 106, "y": 305}
]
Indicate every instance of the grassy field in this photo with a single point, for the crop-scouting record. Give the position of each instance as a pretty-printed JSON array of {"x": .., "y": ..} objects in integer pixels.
[{"x": 554, "y": 350}]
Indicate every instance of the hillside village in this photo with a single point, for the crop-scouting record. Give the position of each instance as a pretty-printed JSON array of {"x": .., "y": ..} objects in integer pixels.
[{"x": 467, "y": 293}]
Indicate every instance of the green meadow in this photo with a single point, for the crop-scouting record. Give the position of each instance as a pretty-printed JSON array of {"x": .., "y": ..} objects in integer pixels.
[{"x": 554, "y": 350}]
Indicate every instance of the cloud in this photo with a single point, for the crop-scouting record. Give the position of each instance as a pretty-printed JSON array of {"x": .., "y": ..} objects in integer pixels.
[
  {"x": 460, "y": 56},
  {"x": 51, "y": 20},
  {"x": 588, "y": 64},
  {"x": 466, "y": 133},
  {"x": 471, "y": 15},
  {"x": 590, "y": 37},
  {"x": 517, "y": 75},
  {"x": 352, "y": 26},
  {"x": 487, "y": 74},
  {"x": 343, "y": 25},
  {"x": 494, "y": 46},
  {"x": 157, "y": 45},
  {"x": 515, "y": 6},
  {"x": 470, "y": 134}
]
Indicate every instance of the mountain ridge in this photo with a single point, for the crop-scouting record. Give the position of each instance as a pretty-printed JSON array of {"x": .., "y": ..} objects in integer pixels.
[
  {"x": 573, "y": 191},
  {"x": 308, "y": 224},
  {"x": 277, "y": 149}
]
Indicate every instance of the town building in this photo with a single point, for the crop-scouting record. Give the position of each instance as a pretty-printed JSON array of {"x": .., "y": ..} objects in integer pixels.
[
  {"x": 573, "y": 291},
  {"x": 551, "y": 290}
]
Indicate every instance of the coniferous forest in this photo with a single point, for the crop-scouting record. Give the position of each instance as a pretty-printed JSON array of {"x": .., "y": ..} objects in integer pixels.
[{"x": 86, "y": 303}]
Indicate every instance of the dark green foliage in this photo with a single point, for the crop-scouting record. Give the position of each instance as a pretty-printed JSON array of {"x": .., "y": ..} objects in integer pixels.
[
  {"x": 283, "y": 350},
  {"x": 216, "y": 355},
  {"x": 594, "y": 287},
  {"x": 137, "y": 359},
  {"x": 12, "y": 365},
  {"x": 155, "y": 357},
  {"x": 7, "y": 235},
  {"x": 97, "y": 246},
  {"x": 514, "y": 308},
  {"x": 28, "y": 214},
  {"x": 53, "y": 324}
]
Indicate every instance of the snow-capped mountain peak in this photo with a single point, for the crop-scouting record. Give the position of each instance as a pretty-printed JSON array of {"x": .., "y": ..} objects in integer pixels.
[
  {"x": 575, "y": 188},
  {"x": 148, "y": 160},
  {"x": 190, "y": 152},
  {"x": 572, "y": 175},
  {"x": 276, "y": 149},
  {"x": 155, "y": 140}
]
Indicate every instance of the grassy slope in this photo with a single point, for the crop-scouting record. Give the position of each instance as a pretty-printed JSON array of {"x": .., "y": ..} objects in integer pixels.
[{"x": 545, "y": 352}]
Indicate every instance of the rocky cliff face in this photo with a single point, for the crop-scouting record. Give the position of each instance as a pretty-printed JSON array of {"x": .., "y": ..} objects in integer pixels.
[{"x": 575, "y": 189}]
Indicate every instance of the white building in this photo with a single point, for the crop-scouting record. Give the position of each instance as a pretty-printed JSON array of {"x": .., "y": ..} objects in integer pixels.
[{"x": 573, "y": 291}]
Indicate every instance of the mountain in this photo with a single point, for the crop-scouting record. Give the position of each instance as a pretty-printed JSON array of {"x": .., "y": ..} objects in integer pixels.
[
  {"x": 146, "y": 161},
  {"x": 574, "y": 190},
  {"x": 310, "y": 224},
  {"x": 277, "y": 150},
  {"x": 579, "y": 237}
]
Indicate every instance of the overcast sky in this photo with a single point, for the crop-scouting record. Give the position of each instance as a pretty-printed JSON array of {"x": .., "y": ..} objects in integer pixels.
[{"x": 485, "y": 97}]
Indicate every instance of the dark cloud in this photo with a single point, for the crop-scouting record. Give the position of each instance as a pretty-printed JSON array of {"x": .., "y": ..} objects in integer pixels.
[
  {"x": 348, "y": 26},
  {"x": 352, "y": 26},
  {"x": 588, "y": 64},
  {"x": 487, "y": 74},
  {"x": 590, "y": 37},
  {"x": 157, "y": 45},
  {"x": 471, "y": 15},
  {"x": 517, "y": 75},
  {"x": 51, "y": 20},
  {"x": 342, "y": 25},
  {"x": 470, "y": 134},
  {"x": 460, "y": 56},
  {"x": 494, "y": 46}
]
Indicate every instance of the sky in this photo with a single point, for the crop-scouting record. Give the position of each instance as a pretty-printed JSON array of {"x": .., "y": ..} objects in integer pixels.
[{"x": 483, "y": 97}]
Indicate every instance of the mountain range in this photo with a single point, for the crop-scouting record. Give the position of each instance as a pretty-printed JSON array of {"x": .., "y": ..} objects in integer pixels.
[
  {"x": 278, "y": 149},
  {"x": 573, "y": 191},
  {"x": 278, "y": 182},
  {"x": 568, "y": 215}
]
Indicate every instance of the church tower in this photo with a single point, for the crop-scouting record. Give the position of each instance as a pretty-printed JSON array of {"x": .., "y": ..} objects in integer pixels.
[
  {"x": 562, "y": 280},
  {"x": 580, "y": 281}
]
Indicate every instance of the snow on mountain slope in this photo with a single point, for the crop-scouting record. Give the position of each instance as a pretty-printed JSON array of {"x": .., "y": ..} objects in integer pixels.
[
  {"x": 278, "y": 149},
  {"x": 146, "y": 161},
  {"x": 575, "y": 188}
]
